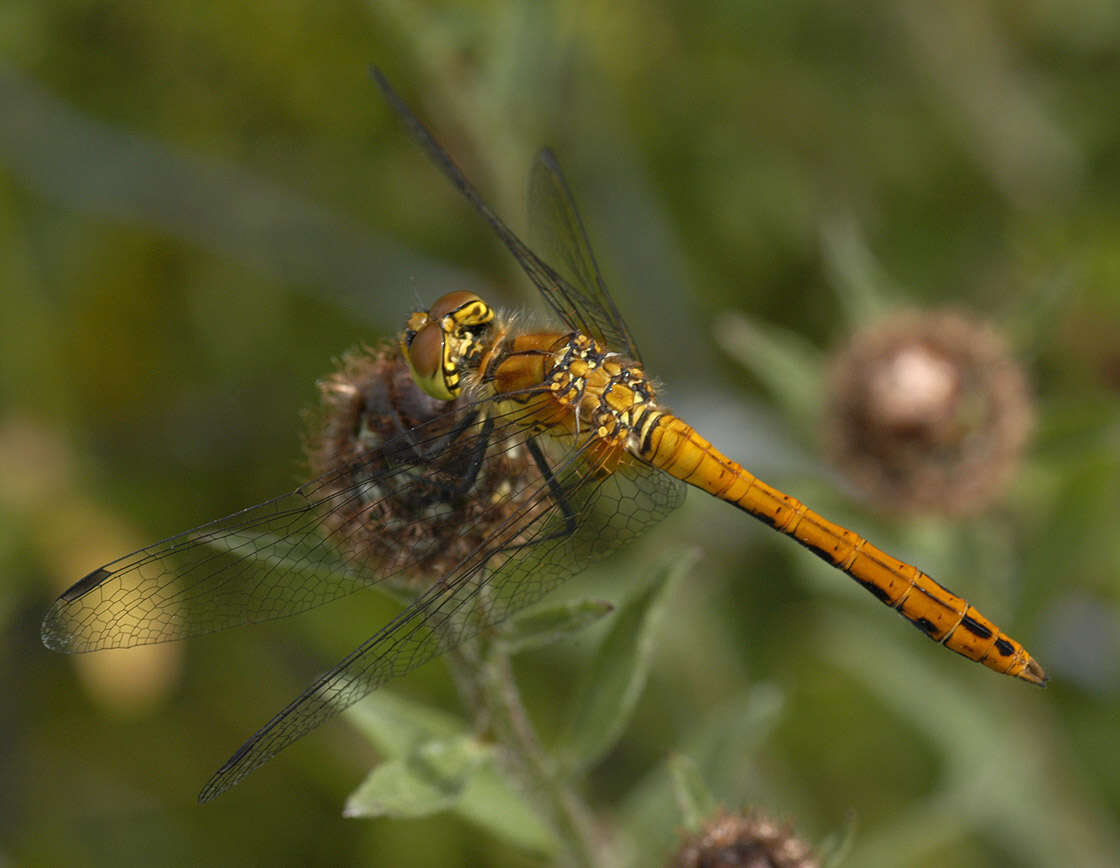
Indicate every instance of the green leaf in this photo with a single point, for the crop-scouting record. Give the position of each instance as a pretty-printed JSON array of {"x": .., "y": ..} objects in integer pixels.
[
  {"x": 493, "y": 804},
  {"x": 610, "y": 688},
  {"x": 396, "y": 726},
  {"x": 785, "y": 362},
  {"x": 835, "y": 849},
  {"x": 693, "y": 796},
  {"x": 544, "y": 624},
  {"x": 431, "y": 779},
  {"x": 857, "y": 278},
  {"x": 722, "y": 745},
  {"x": 998, "y": 775},
  {"x": 419, "y": 778},
  {"x": 273, "y": 551}
]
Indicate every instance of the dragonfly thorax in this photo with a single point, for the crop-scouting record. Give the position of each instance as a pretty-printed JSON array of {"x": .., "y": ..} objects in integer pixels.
[
  {"x": 442, "y": 342},
  {"x": 610, "y": 396}
]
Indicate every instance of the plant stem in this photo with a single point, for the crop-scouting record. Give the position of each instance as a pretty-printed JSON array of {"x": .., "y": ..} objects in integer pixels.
[{"x": 487, "y": 683}]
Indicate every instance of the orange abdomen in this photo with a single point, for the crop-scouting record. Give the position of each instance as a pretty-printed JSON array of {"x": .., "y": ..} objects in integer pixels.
[{"x": 676, "y": 448}]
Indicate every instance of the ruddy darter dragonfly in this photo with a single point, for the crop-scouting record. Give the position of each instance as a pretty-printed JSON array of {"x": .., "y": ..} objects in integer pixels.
[{"x": 593, "y": 459}]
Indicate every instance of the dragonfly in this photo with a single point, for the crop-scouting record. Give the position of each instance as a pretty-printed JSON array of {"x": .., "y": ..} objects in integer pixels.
[{"x": 507, "y": 460}]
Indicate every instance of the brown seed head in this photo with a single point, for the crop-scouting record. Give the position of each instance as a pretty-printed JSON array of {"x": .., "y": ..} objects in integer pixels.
[
  {"x": 417, "y": 521},
  {"x": 928, "y": 412},
  {"x": 750, "y": 840}
]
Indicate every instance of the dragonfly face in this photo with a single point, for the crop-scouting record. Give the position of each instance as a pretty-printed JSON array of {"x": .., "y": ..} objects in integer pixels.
[
  {"x": 442, "y": 342},
  {"x": 549, "y": 450}
]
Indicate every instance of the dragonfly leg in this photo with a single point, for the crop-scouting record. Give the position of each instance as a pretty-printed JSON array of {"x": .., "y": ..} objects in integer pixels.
[
  {"x": 554, "y": 487},
  {"x": 558, "y": 496},
  {"x": 406, "y": 433},
  {"x": 474, "y": 454},
  {"x": 479, "y": 447}
]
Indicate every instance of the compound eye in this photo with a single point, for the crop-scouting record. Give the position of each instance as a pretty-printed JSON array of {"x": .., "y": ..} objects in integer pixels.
[
  {"x": 464, "y": 308},
  {"x": 452, "y": 302},
  {"x": 425, "y": 359}
]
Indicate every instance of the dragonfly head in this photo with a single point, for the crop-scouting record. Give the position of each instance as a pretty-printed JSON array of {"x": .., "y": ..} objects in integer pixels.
[{"x": 440, "y": 343}]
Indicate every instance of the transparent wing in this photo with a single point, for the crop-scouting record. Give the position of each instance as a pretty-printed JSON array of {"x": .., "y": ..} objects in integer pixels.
[
  {"x": 576, "y": 294},
  {"x": 572, "y": 518},
  {"x": 558, "y": 233},
  {"x": 518, "y": 514},
  {"x": 306, "y": 547}
]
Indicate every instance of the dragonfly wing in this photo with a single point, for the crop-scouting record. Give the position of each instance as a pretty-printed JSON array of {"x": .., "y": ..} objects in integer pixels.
[
  {"x": 263, "y": 562},
  {"x": 583, "y": 303},
  {"x": 525, "y": 558},
  {"x": 288, "y": 554},
  {"x": 557, "y": 232}
]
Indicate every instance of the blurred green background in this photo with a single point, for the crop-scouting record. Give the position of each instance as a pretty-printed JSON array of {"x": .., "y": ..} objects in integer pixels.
[{"x": 202, "y": 206}]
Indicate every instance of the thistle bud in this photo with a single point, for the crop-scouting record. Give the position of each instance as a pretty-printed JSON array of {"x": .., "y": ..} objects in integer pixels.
[
  {"x": 414, "y": 496},
  {"x": 928, "y": 412},
  {"x": 750, "y": 840}
]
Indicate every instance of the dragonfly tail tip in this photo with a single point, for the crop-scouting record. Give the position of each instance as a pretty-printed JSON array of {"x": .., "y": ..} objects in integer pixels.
[{"x": 1034, "y": 673}]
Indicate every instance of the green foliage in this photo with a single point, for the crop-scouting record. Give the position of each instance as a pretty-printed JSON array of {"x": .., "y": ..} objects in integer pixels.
[
  {"x": 608, "y": 690},
  {"x": 201, "y": 206},
  {"x": 549, "y": 623},
  {"x": 693, "y": 796},
  {"x": 432, "y": 763}
]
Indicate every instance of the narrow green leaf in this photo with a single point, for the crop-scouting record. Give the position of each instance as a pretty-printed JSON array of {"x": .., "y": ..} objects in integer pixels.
[
  {"x": 835, "y": 849},
  {"x": 274, "y": 551},
  {"x": 785, "y": 362},
  {"x": 396, "y": 726},
  {"x": 431, "y": 779},
  {"x": 404, "y": 730},
  {"x": 495, "y": 805},
  {"x": 544, "y": 624},
  {"x": 984, "y": 782},
  {"x": 610, "y": 688},
  {"x": 857, "y": 278},
  {"x": 723, "y": 746},
  {"x": 693, "y": 796}
]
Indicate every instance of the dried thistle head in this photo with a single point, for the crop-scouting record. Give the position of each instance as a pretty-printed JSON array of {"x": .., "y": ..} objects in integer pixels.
[
  {"x": 750, "y": 840},
  {"x": 928, "y": 412},
  {"x": 395, "y": 459}
]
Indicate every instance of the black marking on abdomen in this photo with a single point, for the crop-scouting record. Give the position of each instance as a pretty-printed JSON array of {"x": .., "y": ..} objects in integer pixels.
[
  {"x": 876, "y": 591},
  {"x": 824, "y": 554},
  {"x": 1004, "y": 647},
  {"x": 768, "y": 520},
  {"x": 641, "y": 421},
  {"x": 925, "y": 625},
  {"x": 975, "y": 628}
]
